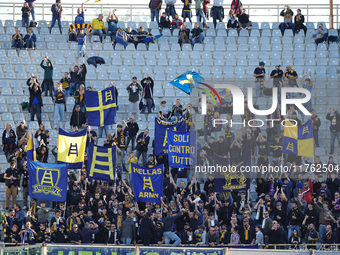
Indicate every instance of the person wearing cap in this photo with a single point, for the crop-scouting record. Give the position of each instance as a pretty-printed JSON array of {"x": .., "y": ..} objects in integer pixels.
[
  {"x": 299, "y": 19},
  {"x": 59, "y": 235},
  {"x": 276, "y": 75},
  {"x": 260, "y": 75},
  {"x": 200, "y": 235},
  {"x": 74, "y": 236},
  {"x": 147, "y": 93},
  {"x": 134, "y": 90},
  {"x": 78, "y": 118},
  {"x": 287, "y": 15}
]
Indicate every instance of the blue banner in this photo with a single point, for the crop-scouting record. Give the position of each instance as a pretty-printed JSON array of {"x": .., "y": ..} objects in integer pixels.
[
  {"x": 230, "y": 173},
  {"x": 101, "y": 163},
  {"x": 101, "y": 107},
  {"x": 47, "y": 181},
  {"x": 152, "y": 39},
  {"x": 187, "y": 81},
  {"x": 182, "y": 149},
  {"x": 121, "y": 37},
  {"x": 161, "y": 134},
  {"x": 147, "y": 183}
]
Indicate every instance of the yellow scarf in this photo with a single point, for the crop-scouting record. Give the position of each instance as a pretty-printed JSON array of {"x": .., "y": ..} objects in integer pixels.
[{"x": 246, "y": 230}]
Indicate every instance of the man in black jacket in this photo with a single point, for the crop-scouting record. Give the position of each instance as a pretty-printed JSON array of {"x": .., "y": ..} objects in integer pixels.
[
  {"x": 243, "y": 20},
  {"x": 183, "y": 34},
  {"x": 334, "y": 127},
  {"x": 78, "y": 118},
  {"x": 147, "y": 229},
  {"x": 197, "y": 34},
  {"x": 147, "y": 94},
  {"x": 142, "y": 145},
  {"x": 35, "y": 100},
  {"x": 131, "y": 130}
]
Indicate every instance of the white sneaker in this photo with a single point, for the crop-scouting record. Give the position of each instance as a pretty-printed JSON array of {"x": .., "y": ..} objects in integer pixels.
[
  {"x": 55, "y": 127},
  {"x": 140, "y": 118}
]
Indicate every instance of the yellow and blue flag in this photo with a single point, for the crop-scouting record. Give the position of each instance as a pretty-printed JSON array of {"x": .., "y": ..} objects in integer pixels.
[
  {"x": 187, "y": 81},
  {"x": 31, "y": 154},
  {"x": 152, "y": 39},
  {"x": 298, "y": 140},
  {"x": 121, "y": 37},
  {"x": 147, "y": 183},
  {"x": 47, "y": 181},
  {"x": 101, "y": 163},
  {"x": 101, "y": 107},
  {"x": 71, "y": 148}
]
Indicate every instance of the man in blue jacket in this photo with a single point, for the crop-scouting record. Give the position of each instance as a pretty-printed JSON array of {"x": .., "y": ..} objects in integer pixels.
[{"x": 168, "y": 228}]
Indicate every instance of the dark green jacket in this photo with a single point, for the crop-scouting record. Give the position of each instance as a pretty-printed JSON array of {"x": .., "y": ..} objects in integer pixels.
[{"x": 48, "y": 74}]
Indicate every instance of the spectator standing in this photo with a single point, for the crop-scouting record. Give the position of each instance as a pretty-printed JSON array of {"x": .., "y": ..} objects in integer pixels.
[
  {"x": 56, "y": 10},
  {"x": 12, "y": 179},
  {"x": 308, "y": 85},
  {"x": 134, "y": 90},
  {"x": 81, "y": 43},
  {"x": 186, "y": 11},
  {"x": 59, "y": 106},
  {"x": 73, "y": 78},
  {"x": 17, "y": 39},
  {"x": 79, "y": 19},
  {"x": 127, "y": 229},
  {"x": 147, "y": 94},
  {"x": 48, "y": 76},
  {"x": 168, "y": 226},
  {"x": 30, "y": 39},
  {"x": 334, "y": 118},
  {"x": 200, "y": 14},
  {"x": 25, "y": 17},
  {"x": 287, "y": 15},
  {"x": 320, "y": 34},
  {"x": 183, "y": 34},
  {"x": 299, "y": 19},
  {"x": 243, "y": 20},
  {"x": 276, "y": 75},
  {"x": 143, "y": 140},
  {"x": 170, "y": 8},
  {"x": 31, "y": 5},
  {"x": 35, "y": 100},
  {"x": 218, "y": 11},
  {"x": 316, "y": 125},
  {"x": 260, "y": 75},
  {"x": 79, "y": 97},
  {"x": 8, "y": 140},
  {"x": 98, "y": 26},
  {"x": 65, "y": 81},
  {"x": 197, "y": 34},
  {"x": 78, "y": 118},
  {"x": 147, "y": 228},
  {"x": 291, "y": 75},
  {"x": 21, "y": 130},
  {"x": 112, "y": 21},
  {"x": 131, "y": 130},
  {"x": 155, "y": 6}
]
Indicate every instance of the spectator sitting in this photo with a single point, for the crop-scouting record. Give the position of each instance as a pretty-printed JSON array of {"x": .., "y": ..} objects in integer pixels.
[
  {"x": 176, "y": 22},
  {"x": 288, "y": 14},
  {"x": 142, "y": 34},
  {"x": 98, "y": 27},
  {"x": 183, "y": 34},
  {"x": 78, "y": 118},
  {"x": 299, "y": 19},
  {"x": 130, "y": 35},
  {"x": 232, "y": 20},
  {"x": 320, "y": 34},
  {"x": 112, "y": 21},
  {"x": 165, "y": 22},
  {"x": 197, "y": 34},
  {"x": 243, "y": 20},
  {"x": 30, "y": 39},
  {"x": 17, "y": 39},
  {"x": 8, "y": 140}
]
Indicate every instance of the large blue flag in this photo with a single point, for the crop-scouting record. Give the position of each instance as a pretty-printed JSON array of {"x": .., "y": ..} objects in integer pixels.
[
  {"x": 182, "y": 149},
  {"x": 147, "y": 183},
  {"x": 161, "y": 134},
  {"x": 187, "y": 81},
  {"x": 101, "y": 107},
  {"x": 101, "y": 163},
  {"x": 152, "y": 39},
  {"x": 121, "y": 37},
  {"x": 47, "y": 181},
  {"x": 232, "y": 174}
]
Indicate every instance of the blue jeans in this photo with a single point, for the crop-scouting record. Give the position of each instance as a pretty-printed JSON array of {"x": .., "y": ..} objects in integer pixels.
[
  {"x": 291, "y": 229},
  {"x": 322, "y": 232},
  {"x": 81, "y": 51},
  {"x": 144, "y": 156},
  {"x": 175, "y": 26},
  {"x": 199, "y": 15},
  {"x": 32, "y": 12},
  {"x": 284, "y": 26},
  {"x": 171, "y": 236},
  {"x": 36, "y": 110},
  {"x": 111, "y": 34},
  {"x": 186, "y": 15},
  {"x": 322, "y": 39},
  {"x": 48, "y": 86},
  {"x": 154, "y": 15},
  {"x": 25, "y": 22},
  {"x": 59, "y": 109},
  {"x": 170, "y": 10},
  {"x": 217, "y": 15},
  {"x": 54, "y": 19},
  {"x": 100, "y": 131},
  {"x": 17, "y": 44},
  {"x": 30, "y": 43},
  {"x": 98, "y": 32},
  {"x": 127, "y": 240},
  {"x": 199, "y": 39},
  {"x": 148, "y": 105},
  {"x": 333, "y": 136}
]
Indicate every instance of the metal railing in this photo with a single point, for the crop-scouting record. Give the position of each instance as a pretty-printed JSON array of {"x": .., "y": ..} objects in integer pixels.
[{"x": 141, "y": 12}]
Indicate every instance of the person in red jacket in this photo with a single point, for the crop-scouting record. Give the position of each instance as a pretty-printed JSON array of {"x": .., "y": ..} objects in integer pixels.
[{"x": 307, "y": 191}]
